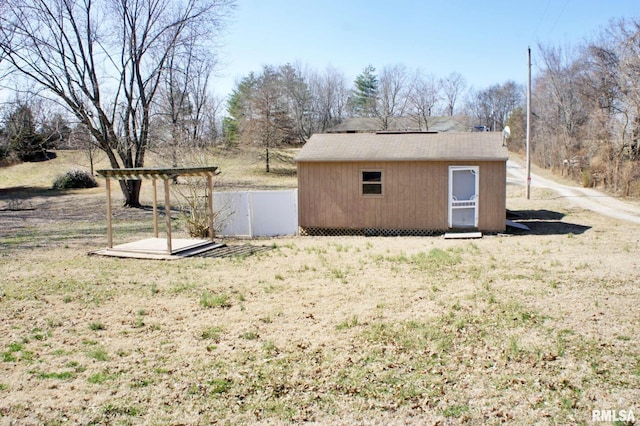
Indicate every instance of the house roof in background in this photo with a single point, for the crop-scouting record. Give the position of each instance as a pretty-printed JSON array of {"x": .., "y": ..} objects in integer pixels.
[
  {"x": 388, "y": 146},
  {"x": 435, "y": 124}
]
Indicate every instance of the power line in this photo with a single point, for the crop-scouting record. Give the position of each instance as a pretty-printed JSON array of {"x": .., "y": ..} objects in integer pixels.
[
  {"x": 553, "y": 27},
  {"x": 542, "y": 16}
]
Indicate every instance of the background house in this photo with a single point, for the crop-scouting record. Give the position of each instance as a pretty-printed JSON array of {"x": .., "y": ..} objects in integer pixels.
[
  {"x": 402, "y": 183},
  {"x": 440, "y": 124}
]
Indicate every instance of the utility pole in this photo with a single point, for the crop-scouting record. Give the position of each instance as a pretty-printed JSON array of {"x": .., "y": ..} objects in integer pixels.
[{"x": 528, "y": 186}]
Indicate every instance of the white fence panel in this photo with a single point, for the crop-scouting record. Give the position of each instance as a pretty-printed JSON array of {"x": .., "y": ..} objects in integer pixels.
[
  {"x": 274, "y": 213},
  {"x": 256, "y": 213},
  {"x": 232, "y": 215}
]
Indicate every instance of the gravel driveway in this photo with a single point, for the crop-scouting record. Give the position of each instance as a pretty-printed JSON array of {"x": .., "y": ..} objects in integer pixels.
[{"x": 585, "y": 198}]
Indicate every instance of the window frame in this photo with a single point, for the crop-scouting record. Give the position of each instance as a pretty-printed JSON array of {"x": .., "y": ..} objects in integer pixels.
[{"x": 363, "y": 182}]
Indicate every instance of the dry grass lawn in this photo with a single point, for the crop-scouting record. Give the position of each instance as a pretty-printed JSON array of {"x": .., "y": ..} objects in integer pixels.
[{"x": 531, "y": 328}]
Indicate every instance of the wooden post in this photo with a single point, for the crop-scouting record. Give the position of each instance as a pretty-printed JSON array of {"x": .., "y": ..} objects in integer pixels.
[
  {"x": 155, "y": 207},
  {"x": 167, "y": 210},
  {"x": 528, "y": 134},
  {"x": 109, "y": 214},
  {"x": 210, "y": 205}
]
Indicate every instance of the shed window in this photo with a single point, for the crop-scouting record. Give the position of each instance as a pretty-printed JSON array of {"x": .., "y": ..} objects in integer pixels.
[{"x": 371, "y": 182}]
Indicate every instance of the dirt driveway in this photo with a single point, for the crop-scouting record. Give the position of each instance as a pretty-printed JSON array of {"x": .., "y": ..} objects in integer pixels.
[{"x": 585, "y": 198}]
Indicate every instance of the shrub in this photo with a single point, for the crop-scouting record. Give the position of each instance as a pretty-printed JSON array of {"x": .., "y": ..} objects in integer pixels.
[
  {"x": 587, "y": 179},
  {"x": 75, "y": 179},
  {"x": 4, "y": 152},
  {"x": 193, "y": 204},
  {"x": 7, "y": 156}
]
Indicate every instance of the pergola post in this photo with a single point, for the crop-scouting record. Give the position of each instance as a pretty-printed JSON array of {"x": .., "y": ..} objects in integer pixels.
[
  {"x": 210, "y": 205},
  {"x": 155, "y": 207},
  {"x": 167, "y": 211},
  {"x": 109, "y": 214}
]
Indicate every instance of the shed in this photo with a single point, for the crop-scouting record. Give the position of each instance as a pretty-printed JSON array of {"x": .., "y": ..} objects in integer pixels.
[{"x": 402, "y": 183}]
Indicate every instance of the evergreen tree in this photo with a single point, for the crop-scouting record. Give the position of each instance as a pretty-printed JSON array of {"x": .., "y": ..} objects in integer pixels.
[
  {"x": 239, "y": 110},
  {"x": 24, "y": 140},
  {"x": 365, "y": 95}
]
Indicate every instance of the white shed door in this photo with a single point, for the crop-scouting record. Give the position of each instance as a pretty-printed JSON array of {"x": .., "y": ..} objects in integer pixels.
[{"x": 463, "y": 196}]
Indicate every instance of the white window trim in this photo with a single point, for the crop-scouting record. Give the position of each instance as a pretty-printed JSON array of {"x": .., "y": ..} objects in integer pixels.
[{"x": 362, "y": 182}]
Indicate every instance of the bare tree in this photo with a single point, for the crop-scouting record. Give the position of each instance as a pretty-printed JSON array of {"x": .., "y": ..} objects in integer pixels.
[
  {"x": 104, "y": 60},
  {"x": 80, "y": 139},
  {"x": 297, "y": 97},
  {"x": 588, "y": 108},
  {"x": 263, "y": 116},
  {"x": 423, "y": 98},
  {"x": 452, "y": 87},
  {"x": 393, "y": 94},
  {"x": 559, "y": 106},
  {"x": 492, "y": 106},
  {"x": 610, "y": 70},
  {"x": 329, "y": 96},
  {"x": 628, "y": 73},
  {"x": 210, "y": 119},
  {"x": 270, "y": 110},
  {"x": 180, "y": 112}
]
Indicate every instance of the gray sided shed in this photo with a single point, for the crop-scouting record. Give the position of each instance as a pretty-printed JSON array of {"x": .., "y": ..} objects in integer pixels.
[{"x": 402, "y": 183}]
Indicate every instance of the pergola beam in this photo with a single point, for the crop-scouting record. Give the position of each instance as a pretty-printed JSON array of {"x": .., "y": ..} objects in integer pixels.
[{"x": 137, "y": 173}]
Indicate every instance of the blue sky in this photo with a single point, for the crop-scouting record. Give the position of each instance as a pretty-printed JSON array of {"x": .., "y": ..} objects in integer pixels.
[{"x": 485, "y": 41}]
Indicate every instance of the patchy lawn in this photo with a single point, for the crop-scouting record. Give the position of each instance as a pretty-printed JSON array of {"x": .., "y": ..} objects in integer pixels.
[{"x": 532, "y": 328}]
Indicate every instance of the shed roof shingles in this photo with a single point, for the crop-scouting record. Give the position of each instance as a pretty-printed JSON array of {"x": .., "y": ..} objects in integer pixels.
[{"x": 481, "y": 146}]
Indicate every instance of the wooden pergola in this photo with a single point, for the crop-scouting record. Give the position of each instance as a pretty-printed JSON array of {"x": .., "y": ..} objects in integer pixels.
[{"x": 166, "y": 175}]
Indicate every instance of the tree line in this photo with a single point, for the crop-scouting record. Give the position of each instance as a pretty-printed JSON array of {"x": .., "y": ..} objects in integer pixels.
[
  {"x": 127, "y": 77},
  {"x": 286, "y": 104},
  {"x": 281, "y": 106},
  {"x": 135, "y": 76},
  {"x": 586, "y": 109},
  {"x": 585, "y": 106}
]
